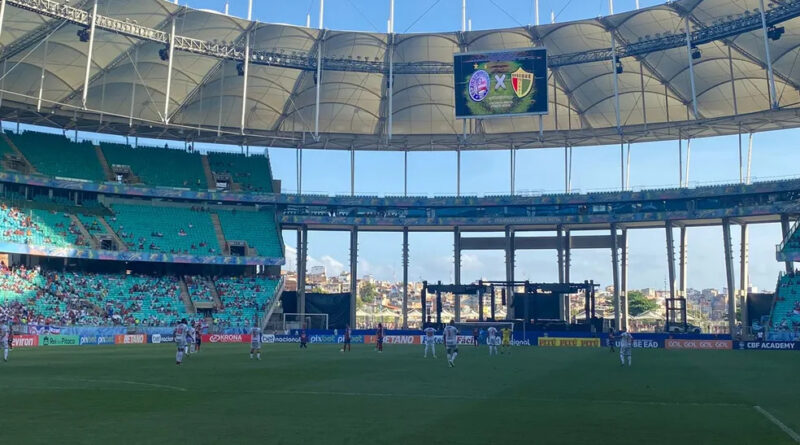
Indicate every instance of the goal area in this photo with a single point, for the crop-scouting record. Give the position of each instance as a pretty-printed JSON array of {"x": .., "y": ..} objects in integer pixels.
[{"x": 294, "y": 320}]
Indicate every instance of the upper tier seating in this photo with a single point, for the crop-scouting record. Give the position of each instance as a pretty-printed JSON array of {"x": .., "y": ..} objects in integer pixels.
[
  {"x": 164, "y": 229},
  {"x": 55, "y": 155},
  {"x": 243, "y": 299},
  {"x": 257, "y": 228},
  {"x": 793, "y": 241},
  {"x": 5, "y": 148},
  {"x": 786, "y": 313},
  {"x": 159, "y": 166},
  {"x": 38, "y": 227},
  {"x": 253, "y": 173}
]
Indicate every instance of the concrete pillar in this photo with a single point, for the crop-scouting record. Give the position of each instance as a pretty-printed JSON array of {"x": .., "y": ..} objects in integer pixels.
[
  {"x": 744, "y": 272},
  {"x": 405, "y": 277},
  {"x": 353, "y": 273},
  {"x": 683, "y": 261},
  {"x": 670, "y": 260},
  {"x": 457, "y": 269},
  {"x": 560, "y": 253},
  {"x": 302, "y": 258},
  {"x": 785, "y": 227},
  {"x": 510, "y": 253},
  {"x": 615, "y": 275},
  {"x": 726, "y": 241},
  {"x": 624, "y": 279}
]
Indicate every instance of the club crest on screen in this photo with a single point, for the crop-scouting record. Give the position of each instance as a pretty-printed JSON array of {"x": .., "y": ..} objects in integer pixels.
[{"x": 479, "y": 85}]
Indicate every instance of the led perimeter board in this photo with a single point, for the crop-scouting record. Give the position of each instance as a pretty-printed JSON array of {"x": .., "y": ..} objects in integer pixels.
[{"x": 500, "y": 83}]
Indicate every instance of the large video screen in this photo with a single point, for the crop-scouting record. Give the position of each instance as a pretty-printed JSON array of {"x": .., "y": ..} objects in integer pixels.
[{"x": 500, "y": 83}]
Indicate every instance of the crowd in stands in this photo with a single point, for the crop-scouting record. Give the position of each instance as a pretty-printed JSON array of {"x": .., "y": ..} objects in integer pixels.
[
  {"x": 38, "y": 227},
  {"x": 243, "y": 299},
  {"x": 786, "y": 313},
  {"x": 33, "y": 296},
  {"x": 199, "y": 289}
]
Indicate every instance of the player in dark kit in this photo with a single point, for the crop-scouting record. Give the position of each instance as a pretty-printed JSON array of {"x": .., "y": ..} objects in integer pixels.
[
  {"x": 347, "y": 334},
  {"x": 611, "y": 340},
  {"x": 303, "y": 340},
  {"x": 379, "y": 335},
  {"x": 475, "y": 336}
]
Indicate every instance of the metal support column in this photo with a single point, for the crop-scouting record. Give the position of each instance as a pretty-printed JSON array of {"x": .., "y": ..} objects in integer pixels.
[
  {"x": 353, "y": 273},
  {"x": 567, "y": 254},
  {"x": 405, "y": 278},
  {"x": 785, "y": 227},
  {"x": 614, "y": 62},
  {"x": 624, "y": 279},
  {"x": 169, "y": 71},
  {"x": 615, "y": 274},
  {"x": 41, "y": 79},
  {"x": 726, "y": 235},
  {"x": 510, "y": 252},
  {"x": 683, "y": 279},
  {"x": 691, "y": 67},
  {"x": 457, "y": 269},
  {"x": 773, "y": 94},
  {"x": 688, "y": 160},
  {"x": 352, "y": 172},
  {"x": 88, "y": 55},
  {"x": 670, "y": 260},
  {"x": 744, "y": 273},
  {"x": 560, "y": 253},
  {"x": 2, "y": 17}
]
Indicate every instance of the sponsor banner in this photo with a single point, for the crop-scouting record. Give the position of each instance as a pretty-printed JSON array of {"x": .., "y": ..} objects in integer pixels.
[
  {"x": 672, "y": 343},
  {"x": 93, "y": 340},
  {"x": 267, "y": 338},
  {"x": 396, "y": 339},
  {"x": 59, "y": 340},
  {"x": 226, "y": 338},
  {"x": 570, "y": 342},
  {"x": 134, "y": 339},
  {"x": 25, "y": 341},
  {"x": 286, "y": 339},
  {"x": 637, "y": 344},
  {"x": 162, "y": 338},
  {"x": 769, "y": 345}
]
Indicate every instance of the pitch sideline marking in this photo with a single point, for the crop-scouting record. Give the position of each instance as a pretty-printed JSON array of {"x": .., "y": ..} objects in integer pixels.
[{"x": 790, "y": 432}]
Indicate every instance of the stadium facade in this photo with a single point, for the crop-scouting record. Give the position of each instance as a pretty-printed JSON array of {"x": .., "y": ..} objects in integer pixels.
[{"x": 681, "y": 71}]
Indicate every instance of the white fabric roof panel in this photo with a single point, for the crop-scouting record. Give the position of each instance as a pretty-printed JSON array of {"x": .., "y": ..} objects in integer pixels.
[{"x": 128, "y": 79}]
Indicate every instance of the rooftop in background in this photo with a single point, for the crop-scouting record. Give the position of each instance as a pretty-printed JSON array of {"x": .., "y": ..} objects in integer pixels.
[{"x": 656, "y": 92}]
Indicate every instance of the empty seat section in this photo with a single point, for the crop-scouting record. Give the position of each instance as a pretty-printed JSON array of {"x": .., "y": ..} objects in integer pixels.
[
  {"x": 159, "y": 166},
  {"x": 253, "y": 173},
  {"x": 55, "y": 155},
  {"x": 257, "y": 228},
  {"x": 164, "y": 229}
]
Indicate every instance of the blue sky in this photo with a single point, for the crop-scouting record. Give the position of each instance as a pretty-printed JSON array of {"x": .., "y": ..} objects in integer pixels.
[{"x": 594, "y": 168}]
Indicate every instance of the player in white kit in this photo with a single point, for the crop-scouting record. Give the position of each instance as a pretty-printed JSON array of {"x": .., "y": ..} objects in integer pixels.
[
  {"x": 180, "y": 340},
  {"x": 4, "y": 331},
  {"x": 625, "y": 345},
  {"x": 492, "y": 340},
  {"x": 451, "y": 343},
  {"x": 255, "y": 342},
  {"x": 430, "y": 342}
]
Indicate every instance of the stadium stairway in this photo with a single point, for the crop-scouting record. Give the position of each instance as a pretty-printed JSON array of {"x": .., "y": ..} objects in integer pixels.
[
  {"x": 16, "y": 150},
  {"x": 274, "y": 309},
  {"x": 215, "y": 294},
  {"x": 220, "y": 235},
  {"x": 110, "y": 232},
  {"x": 101, "y": 158},
  {"x": 86, "y": 235},
  {"x": 212, "y": 184},
  {"x": 187, "y": 300}
]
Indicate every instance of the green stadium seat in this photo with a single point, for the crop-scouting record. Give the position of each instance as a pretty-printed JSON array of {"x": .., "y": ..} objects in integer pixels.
[
  {"x": 159, "y": 166},
  {"x": 55, "y": 155},
  {"x": 253, "y": 173},
  {"x": 258, "y": 229}
]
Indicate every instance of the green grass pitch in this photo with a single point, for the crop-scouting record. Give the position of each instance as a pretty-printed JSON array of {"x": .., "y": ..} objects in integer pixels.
[{"x": 136, "y": 395}]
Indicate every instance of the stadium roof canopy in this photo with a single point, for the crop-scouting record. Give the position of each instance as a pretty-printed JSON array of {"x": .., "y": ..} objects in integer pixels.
[{"x": 45, "y": 79}]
